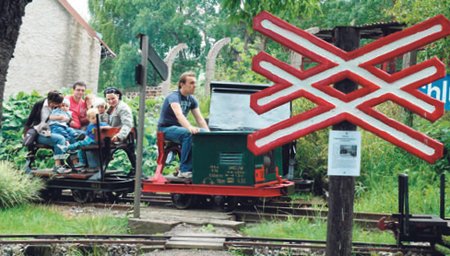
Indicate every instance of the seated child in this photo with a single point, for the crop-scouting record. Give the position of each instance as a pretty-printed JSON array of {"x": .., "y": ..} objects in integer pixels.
[
  {"x": 89, "y": 139},
  {"x": 90, "y": 99},
  {"x": 59, "y": 122},
  {"x": 100, "y": 104}
]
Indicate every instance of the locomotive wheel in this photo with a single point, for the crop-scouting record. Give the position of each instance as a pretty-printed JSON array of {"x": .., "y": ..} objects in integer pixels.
[
  {"x": 226, "y": 203},
  {"x": 82, "y": 196},
  {"x": 182, "y": 201},
  {"x": 205, "y": 201}
]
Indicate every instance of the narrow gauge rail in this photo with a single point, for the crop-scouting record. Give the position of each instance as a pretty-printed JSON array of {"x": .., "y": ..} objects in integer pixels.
[
  {"x": 258, "y": 212},
  {"x": 255, "y": 244}
]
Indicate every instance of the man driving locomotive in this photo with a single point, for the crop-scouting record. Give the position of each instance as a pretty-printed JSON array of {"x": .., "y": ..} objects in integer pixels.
[{"x": 173, "y": 120}]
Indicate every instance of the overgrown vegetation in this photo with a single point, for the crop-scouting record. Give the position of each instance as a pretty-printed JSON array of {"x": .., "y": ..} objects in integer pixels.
[{"x": 16, "y": 187}]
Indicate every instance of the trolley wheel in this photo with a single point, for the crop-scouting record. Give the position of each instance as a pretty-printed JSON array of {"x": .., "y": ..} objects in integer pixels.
[
  {"x": 51, "y": 194},
  {"x": 226, "y": 203},
  {"x": 182, "y": 201},
  {"x": 82, "y": 196},
  {"x": 114, "y": 196}
]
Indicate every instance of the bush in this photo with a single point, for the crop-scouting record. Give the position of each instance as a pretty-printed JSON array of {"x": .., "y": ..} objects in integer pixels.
[{"x": 16, "y": 187}]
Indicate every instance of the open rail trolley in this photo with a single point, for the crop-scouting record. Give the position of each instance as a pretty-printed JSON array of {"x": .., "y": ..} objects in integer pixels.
[
  {"x": 409, "y": 227},
  {"x": 94, "y": 180},
  {"x": 225, "y": 172}
]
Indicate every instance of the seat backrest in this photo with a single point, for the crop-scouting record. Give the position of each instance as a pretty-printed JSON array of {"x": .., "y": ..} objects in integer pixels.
[{"x": 111, "y": 131}]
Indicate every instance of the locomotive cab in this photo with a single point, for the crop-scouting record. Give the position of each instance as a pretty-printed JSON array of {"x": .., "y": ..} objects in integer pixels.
[
  {"x": 223, "y": 167},
  {"x": 221, "y": 156}
]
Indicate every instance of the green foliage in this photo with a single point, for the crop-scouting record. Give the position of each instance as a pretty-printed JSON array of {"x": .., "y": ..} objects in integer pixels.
[
  {"x": 234, "y": 63},
  {"x": 242, "y": 12},
  {"x": 39, "y": 219},
  {"x": 16, "y": 187},
  {"x": 347, "y": 13},
  {"x": 167, "y": 23},
  {"x": 15, "y": 112},
  {"x": 412, "y": 12}
]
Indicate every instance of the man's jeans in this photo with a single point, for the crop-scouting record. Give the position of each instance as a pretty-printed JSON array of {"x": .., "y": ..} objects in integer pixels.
[
  {"x": 54, "y": 140},
  {"x": 181, "y": 136}
]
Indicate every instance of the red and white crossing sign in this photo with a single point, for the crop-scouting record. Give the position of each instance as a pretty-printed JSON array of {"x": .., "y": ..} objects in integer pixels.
[{"x": 359, "y": 65}]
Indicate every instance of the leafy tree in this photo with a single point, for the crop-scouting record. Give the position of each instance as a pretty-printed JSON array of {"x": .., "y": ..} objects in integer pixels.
[
  {"x": 11, "y": 13},
  {"x": 348, "y": 13},
  {"x": 412, "y": 12},
  {"x": 242, "y": 12},
  {"x": 167, "y": 23}
]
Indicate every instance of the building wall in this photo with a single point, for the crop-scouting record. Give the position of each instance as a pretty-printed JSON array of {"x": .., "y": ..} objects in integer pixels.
[{"x": 52, "y": 51}]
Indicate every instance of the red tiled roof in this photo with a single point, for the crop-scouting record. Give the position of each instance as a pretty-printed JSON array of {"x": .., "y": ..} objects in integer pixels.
[{"x": 85, "y": 25}]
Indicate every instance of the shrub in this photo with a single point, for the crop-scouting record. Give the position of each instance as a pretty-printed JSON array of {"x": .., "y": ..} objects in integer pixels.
[{"x": 16, "y": 187}]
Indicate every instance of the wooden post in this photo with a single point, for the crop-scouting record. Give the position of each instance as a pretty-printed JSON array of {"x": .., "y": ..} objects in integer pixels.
[
  {"x": 341, "y": 188},
  {"x": 409, "y": 59}
]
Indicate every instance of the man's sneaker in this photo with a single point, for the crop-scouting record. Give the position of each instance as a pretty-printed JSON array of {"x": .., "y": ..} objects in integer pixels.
[
  {"x": 61, "y": 169},
  {"x": 186, "y": 175}
]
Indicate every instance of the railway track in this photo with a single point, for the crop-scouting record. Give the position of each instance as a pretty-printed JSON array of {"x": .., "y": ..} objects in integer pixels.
[
  {"x": 248, "y": 245},
  {"x": 280, "y": 209}
]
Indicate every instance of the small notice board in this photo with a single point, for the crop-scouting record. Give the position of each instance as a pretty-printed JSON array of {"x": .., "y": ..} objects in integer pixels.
[{"x": 344, "y": 153}]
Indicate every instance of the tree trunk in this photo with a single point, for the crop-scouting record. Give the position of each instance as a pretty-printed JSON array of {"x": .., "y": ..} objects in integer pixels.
[{"x": 11, "y": 13}]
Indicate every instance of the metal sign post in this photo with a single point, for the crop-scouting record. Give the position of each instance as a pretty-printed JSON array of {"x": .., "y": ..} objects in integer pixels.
[
  {"x": 148, "y": 54},
  {"x": 140, "y": 139}
]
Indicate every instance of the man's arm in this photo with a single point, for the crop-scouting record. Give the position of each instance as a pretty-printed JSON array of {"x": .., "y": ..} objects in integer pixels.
[
  {"x": 199, "y": 118},
  {"x": 181, "y": 118}
]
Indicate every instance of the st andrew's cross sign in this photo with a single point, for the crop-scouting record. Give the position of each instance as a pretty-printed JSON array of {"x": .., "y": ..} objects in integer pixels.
[{"x": 359, "y": 66}]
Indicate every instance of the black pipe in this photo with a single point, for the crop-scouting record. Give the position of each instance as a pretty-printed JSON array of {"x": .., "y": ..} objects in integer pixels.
[{"x": 442, "y": 197}]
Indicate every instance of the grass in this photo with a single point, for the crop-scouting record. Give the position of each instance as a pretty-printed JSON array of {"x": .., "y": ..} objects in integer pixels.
[
  {"x": 312, "y": 230},
  {"x": 41, "y": 219},
  {"x": 16, "y": 187}
]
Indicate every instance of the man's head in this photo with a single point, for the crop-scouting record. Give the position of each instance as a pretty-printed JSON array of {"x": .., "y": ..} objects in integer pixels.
[
  {"x": 79, "y": 88},
  {"x": 186, "y": 84},
  {"x": 92, "y": 115},
  {"x": 54, "y": 98}
]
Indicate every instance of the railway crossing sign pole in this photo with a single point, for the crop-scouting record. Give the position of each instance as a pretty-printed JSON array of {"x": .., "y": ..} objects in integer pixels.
[
  {"x": 142, "y": 80},
  {"x": 341, "y": 188},
  {"x": 346, "y": 104},
  {"x": 148, "y": 54}
]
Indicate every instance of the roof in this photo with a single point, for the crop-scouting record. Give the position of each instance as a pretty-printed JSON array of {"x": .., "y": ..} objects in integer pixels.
[
  {"x": 106, "y": 51},
  {"x": 367, "y": 31}
]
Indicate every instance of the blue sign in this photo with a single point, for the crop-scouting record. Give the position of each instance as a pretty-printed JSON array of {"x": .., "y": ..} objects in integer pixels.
[{"x": 439, "y": 90}]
